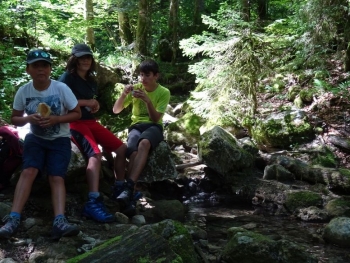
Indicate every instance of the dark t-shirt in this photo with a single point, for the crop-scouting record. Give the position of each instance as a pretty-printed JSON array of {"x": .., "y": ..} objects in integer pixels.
[{"x": 82, "y": 89}]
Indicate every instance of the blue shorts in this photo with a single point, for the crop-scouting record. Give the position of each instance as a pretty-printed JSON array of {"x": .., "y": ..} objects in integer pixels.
[
  {"x": 149, "y": 131},
  {"x": 52, "y": 157}
]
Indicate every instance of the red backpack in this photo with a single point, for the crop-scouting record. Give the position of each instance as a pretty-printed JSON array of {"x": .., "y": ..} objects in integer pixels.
[{"x": 11, "y": 150}]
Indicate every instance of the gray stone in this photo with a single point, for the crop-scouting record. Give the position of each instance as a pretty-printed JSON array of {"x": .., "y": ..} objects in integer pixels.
[
  {"x": 160, "y": 165},
  {"x": 223, "y": 153},
  {"x": 278, "y": 172},
  {"x": 138, "y": 220},
  {"x": 338, "y": 232}
]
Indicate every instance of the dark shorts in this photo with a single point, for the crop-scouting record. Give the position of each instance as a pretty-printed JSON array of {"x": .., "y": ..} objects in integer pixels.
[
  {"x": 50, "y": 156},
  {"x": 149, "y": 131},
  {"x": 89, "y": 134}
]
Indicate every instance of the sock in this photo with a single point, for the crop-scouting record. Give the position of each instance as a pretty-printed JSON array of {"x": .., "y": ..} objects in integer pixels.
[
  {"x": 15, "y": 214},
  {"x": 119, "y": 183},
  {"x": 57, "y": 218},
  {"x": 93, "y": 195},
  {"x": 130, "y": 183}
]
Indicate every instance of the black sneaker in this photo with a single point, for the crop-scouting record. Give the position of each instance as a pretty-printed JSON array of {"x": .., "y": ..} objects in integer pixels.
[
  {"x": 117, "y": 189},
  {"x": 95, "y": 209},
  {"x": 126, "y": 196},
  {"x": 11, "y": 226},
  {"x": 61, "y": 228}
]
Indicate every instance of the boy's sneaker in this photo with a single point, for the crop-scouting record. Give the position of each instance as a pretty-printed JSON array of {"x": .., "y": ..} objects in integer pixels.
[
  {"x": 95, "y": 209},
  {"x": 10, "y": 228},
  {"x": 126, "y": 196},
  {"x": 119, "y": 187},
  {"x": 61, "y": 228}
]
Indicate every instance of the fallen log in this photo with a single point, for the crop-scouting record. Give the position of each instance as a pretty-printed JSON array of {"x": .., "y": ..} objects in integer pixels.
[{"x": 186, "y": 165}]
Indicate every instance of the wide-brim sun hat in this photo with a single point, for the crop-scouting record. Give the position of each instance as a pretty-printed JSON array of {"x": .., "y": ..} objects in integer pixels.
[{"x": 80, "y": 50}]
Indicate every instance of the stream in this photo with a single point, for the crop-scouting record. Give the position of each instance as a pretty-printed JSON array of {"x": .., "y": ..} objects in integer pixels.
[{"x": 216, "y": 219}]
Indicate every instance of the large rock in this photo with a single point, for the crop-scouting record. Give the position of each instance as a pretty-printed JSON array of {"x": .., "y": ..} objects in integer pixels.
[
  {"x": 338, "y": 231},
  {"x": 131, "y": 247},
  {"x": 281, "y": 130},
  {"x": 301, "y": 199},
  {"x": 166, "y": 241},
  {"x": 339, "y": 207},
  {"x": 160, "y": 165},
  {"x": 337, "y": 180},
  {"x": 223, "y": 153},
  {"x": 245, "y": 247}
]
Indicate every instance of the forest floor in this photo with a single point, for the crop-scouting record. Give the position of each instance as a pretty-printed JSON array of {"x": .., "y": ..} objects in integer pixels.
[{"x": 334, "y": 113}]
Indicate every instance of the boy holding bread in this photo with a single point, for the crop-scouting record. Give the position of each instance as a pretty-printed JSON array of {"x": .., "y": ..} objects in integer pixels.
[{"x": 48, "y": 106}]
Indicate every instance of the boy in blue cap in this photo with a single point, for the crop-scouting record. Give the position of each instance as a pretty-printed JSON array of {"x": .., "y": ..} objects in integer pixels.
[{"x": 47, "y": 147}]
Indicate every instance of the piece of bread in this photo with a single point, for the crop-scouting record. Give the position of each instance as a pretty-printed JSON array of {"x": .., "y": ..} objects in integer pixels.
[{"x": 44, "y": 110}]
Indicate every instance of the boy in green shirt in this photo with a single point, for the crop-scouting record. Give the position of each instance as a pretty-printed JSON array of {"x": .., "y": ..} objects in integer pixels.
[{"x": 149, "y": 101}]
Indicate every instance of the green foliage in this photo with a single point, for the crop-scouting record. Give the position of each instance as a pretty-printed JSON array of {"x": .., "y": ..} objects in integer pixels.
[
  {"x": 235, "y": 59},
  {"x": 321, "y": 85},
  {"x": 12, "y": 76},
  {"x": 326, "y": 159},
  {"x": 321, "y": 30},
  {"x": 232, "y": 56},
  {"x": 342, "y": 89}
]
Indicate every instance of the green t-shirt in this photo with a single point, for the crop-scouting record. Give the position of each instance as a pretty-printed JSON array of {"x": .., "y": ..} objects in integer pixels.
[{"x": 159, "y": 97}]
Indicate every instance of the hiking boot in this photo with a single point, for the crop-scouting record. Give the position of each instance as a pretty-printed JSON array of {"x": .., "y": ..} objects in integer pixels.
[
  {"x": 119, "y": 187},
  {"x": 11, "y": 226},
  {"x": 95, "y": 209},
  {"x": 126, "y": 196},
  {"x": 61, "y": 228}
]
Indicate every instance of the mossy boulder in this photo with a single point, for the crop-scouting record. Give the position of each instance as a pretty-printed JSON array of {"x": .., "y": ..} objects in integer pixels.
[
  {"x": 166, "y": 241},
  {"x": 298, "y": 102},
  {"x": 178, "y": 238},
  {"x": 326, "y": 158},
  {"x": 160, "y": 165},
  {"x": 338, "y": 207},
  {"x": 282, "y": 130},
  {"x": 292, "y": 93},
  {"x": 307, "y": 95},
  {"x": 223, "y": 153},
  {"x": 245, "y": 247},
  {"x": 301, "y": 198}
]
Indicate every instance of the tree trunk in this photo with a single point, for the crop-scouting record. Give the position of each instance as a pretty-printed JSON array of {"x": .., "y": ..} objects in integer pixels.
[
  {"x": 124, "y": 29},
  {"x": 143, "y": 25},
  {"x": 173, "y": 27},
  {"x": 262, "y": 9},
  {"x": 245, "y": 10},
  {"x": 347, "y": 59},
  {"x": 198, "y": 9},
  {"x": 89, "y": 17}
]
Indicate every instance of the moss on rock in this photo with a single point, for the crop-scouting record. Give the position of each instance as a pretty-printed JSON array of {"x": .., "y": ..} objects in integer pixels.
[{"x": 299, "y": 199}]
